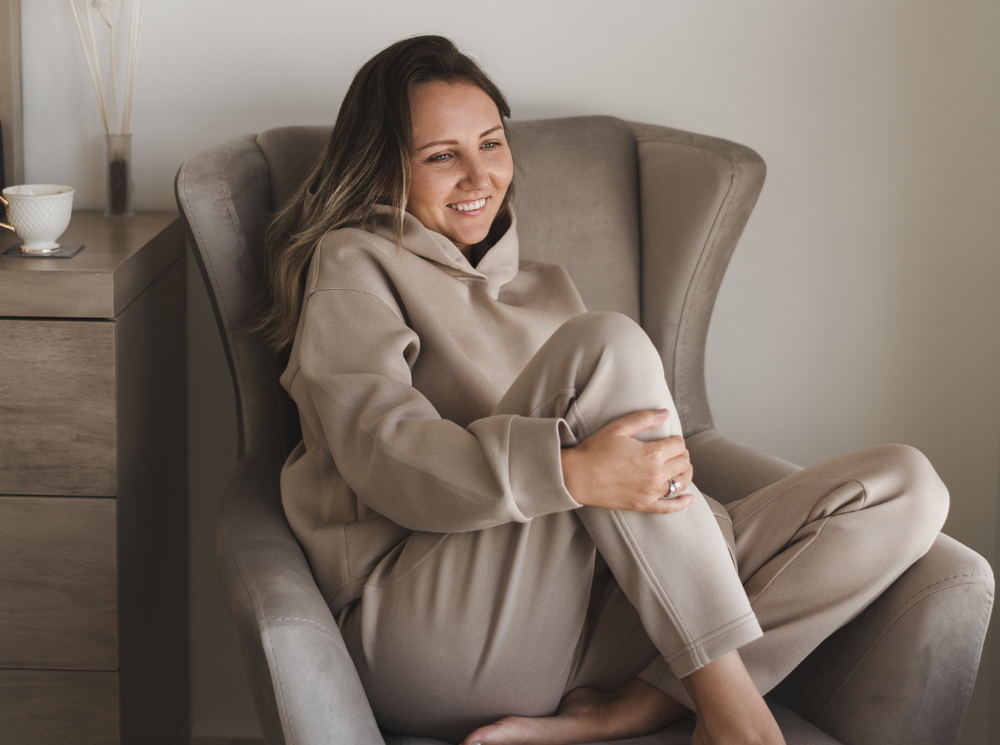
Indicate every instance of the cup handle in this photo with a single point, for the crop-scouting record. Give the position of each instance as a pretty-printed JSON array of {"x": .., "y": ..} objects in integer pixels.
[{"x": 6, "y": 205}]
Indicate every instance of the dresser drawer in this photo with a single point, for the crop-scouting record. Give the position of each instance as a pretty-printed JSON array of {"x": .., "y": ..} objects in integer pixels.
[
  {"x": 58, "y": 708},
  {"x": 58, "y": 583},
  {"x": 57, "y": 419}
]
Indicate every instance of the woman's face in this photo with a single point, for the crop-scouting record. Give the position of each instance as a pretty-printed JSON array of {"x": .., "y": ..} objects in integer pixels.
[{"x": 461, "y": 165}]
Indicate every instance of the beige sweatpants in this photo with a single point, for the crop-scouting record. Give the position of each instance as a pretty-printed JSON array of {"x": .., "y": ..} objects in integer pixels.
[{"x": 456, "y": 630}]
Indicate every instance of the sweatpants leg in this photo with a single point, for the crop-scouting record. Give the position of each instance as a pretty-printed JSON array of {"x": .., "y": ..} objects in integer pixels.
[
  {"x": 675, "y": 569},
  {"x": 456, "y": 630},
  {"x": 814, "y": 550}
]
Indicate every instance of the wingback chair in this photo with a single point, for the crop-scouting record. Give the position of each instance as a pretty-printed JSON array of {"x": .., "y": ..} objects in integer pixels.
[{"x": 645, "y": 220}]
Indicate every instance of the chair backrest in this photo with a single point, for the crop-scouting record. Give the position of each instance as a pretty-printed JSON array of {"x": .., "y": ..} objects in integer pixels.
[
  {"x": 575, "y": 195},
  {"x": 578, "y": 203}
]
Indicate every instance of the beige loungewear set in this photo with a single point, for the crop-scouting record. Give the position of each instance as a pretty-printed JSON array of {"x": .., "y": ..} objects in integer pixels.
[{"x": 469, "y": 585}]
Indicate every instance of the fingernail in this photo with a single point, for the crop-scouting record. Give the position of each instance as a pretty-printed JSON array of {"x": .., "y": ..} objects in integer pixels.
[{"x": 662, "y": 412}]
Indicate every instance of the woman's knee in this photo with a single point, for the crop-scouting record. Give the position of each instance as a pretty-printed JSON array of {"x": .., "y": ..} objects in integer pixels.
[
  {"x": 916, "y": 484},
  {"x": 605, "y": 330},
  {"x": 608, "y": 325}
]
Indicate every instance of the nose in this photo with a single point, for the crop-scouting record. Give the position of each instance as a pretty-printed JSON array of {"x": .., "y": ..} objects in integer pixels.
[{"x": 477, "y": 177}]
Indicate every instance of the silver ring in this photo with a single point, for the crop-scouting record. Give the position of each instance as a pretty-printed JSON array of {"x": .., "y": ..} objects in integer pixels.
[{"x": 673, "y": 486}]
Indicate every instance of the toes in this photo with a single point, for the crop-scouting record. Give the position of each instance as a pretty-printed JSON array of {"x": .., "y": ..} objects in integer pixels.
[
  {"x": 507, "y": 731},
  {"x": 482, "y": 735}
]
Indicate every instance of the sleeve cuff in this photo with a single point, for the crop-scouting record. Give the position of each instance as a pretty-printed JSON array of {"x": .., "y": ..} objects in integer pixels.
[{"x": 535, "y": 465}]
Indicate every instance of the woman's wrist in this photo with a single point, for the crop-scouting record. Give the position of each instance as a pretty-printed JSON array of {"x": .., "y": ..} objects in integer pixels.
[{"x": 568, "y": 456}]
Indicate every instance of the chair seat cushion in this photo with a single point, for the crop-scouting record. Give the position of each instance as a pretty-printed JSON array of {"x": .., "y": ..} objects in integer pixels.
[{"x": 797, "y": 731}]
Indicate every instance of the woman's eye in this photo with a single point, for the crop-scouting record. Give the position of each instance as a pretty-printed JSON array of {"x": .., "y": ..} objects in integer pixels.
[
  {"x": 439, "y": 158},
  {"x": 491, "y": 145}
]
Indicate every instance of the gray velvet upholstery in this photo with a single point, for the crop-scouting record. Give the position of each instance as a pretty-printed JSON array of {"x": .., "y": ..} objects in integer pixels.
[{"x": 645, "y": 220}]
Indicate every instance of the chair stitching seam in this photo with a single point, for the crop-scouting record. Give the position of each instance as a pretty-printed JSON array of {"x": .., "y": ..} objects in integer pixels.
[
  {"x": 277, "y": 673},
  {"x": 329, "y": 636},
  {"x": 894, "y": 619},
  {"x": 939, "y": 582},
  {"x": 296, "y": 618}
]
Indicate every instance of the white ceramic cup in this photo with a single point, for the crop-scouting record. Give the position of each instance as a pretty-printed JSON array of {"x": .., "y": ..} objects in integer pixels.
[{"x": 39, "y": 213}]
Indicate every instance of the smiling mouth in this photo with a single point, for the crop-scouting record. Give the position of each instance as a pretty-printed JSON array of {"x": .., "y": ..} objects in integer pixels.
[{"x": 473, "y": 205}]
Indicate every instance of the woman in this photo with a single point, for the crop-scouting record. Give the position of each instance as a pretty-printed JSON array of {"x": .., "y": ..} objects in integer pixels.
[{"x": 492, "y": 487}]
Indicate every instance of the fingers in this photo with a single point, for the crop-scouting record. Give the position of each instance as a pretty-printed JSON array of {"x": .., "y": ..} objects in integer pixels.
[
  {"x": 667, "y": 449},
  {"x": 482, "y": 735},
  {"x": 664, "y": 506},
  {"x": 683, "y": 480},
  {"x": 639, "y": 421},
  {"x": 679, "y": 471}
]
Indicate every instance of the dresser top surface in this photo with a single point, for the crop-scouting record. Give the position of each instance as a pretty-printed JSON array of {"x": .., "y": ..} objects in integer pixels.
[{"x": 119, "y": 260}]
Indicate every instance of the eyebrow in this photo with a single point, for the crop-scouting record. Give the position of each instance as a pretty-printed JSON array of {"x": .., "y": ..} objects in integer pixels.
[{"x": 455, "y": 142}]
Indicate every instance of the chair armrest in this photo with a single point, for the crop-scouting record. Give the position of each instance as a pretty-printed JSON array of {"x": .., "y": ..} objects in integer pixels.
[
  {"x": 903, "y": 670},
  {"x": 726, "y": 470},
  {"x": 304, "y": 684}
]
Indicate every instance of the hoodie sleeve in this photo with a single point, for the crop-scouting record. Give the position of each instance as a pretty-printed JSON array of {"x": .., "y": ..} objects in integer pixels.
[{"x": 389, "y": 443}]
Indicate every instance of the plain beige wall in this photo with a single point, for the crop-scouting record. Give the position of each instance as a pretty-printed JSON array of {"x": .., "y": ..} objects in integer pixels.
[{"x": 862, "y": 305}]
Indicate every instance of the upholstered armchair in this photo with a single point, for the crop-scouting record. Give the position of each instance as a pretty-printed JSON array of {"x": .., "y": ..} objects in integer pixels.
[{"x": 645, "y": 220}]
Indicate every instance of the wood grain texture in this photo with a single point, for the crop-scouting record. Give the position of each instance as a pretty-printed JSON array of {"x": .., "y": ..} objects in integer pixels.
[
  {"x": 152, "y": 512},
  {"x": 58, "y": 708},
  {"x": 11, "y": 112},
  {"x": 120, "y": 260},
  {"x": 57, "y": 413},
  {"x": 58, "y": 583}
]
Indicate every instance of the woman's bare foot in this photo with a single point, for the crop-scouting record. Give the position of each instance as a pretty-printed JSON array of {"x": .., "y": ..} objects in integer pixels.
[
  {"x": 730, "y": 709},
  {"x": 588, "y": 715}
]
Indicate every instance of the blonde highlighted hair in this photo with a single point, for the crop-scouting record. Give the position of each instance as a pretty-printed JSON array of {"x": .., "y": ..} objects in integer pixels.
[{"x": 365, "y": 163}]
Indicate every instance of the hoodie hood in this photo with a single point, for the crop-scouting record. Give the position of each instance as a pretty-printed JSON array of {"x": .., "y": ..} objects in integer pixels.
[{"x": 498, "y": 266}]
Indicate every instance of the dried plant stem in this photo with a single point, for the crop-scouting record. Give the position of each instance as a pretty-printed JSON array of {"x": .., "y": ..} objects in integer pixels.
[
  {"x": 130, "y": 71},
  {"x": 114, "y": 75},
  {"x": 88, "y": 40},
  {"x": 138, "y": 11},
  {"x": 90, "y": 66},
  {"x": 97, "y": 67}
]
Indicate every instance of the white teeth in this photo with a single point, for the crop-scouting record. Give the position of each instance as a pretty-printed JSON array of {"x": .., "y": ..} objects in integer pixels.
[{"x": 469, "y": 206}]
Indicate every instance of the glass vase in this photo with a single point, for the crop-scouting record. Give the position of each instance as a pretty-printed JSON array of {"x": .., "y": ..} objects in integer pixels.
[{"x": 119, "y": 205}]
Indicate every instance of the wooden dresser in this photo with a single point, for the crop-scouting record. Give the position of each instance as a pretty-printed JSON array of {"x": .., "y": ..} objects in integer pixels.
[{"x": 93, "y": 488}]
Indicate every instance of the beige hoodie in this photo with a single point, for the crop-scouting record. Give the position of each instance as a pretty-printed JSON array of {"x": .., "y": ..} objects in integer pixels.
[{"x": 399, "y": 358}]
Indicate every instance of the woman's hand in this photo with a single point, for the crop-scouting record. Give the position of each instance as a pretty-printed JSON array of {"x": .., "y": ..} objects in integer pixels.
[{"x": 613, "y": 470}]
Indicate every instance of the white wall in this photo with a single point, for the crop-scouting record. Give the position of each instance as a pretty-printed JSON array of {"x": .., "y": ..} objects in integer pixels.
[{"x": 861, "y": 307}]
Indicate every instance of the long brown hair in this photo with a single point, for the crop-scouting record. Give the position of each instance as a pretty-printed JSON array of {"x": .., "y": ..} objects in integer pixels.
[{"x": 365, "y": 163}]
